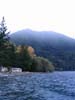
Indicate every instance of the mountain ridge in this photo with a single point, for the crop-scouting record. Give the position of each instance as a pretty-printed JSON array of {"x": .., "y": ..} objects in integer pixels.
[{"x": 55, "y": 46}]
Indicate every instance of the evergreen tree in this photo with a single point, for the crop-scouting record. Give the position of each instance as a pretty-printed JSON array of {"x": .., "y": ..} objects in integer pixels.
[
  {"x": 6, "y": 48},
  {"x": 4, "y": 39}
]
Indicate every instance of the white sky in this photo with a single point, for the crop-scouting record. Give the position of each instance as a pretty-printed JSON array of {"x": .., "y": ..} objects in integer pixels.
[{"x": 53, "y": 15}]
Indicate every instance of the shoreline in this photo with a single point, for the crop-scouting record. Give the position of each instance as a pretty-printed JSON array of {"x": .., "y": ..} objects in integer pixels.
[
  {"x": 11, "y": 74},
  {"x": 23, "y": 73}
]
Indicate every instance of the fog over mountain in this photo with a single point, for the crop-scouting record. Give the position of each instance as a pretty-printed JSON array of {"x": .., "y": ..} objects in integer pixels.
[{"x": 58, "y": 48}]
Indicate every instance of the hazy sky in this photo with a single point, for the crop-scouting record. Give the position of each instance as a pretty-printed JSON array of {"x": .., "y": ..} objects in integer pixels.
[{"x": 54, "y": 15}]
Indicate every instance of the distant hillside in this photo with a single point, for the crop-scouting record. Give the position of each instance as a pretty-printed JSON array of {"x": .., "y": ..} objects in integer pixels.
[{"x": 56, "y": 47}]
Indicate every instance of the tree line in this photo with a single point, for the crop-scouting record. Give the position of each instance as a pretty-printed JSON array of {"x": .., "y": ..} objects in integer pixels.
[{"x": 19, "y": 56}]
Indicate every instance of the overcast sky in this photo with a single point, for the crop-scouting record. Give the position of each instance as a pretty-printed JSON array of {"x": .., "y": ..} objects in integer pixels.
[{"x": 53, "y": 15}]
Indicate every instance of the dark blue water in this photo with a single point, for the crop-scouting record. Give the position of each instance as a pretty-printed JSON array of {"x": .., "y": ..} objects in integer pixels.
[{"x": 38, "y": 86}]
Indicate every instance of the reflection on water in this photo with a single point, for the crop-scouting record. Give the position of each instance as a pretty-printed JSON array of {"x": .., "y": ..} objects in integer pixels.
[{"x": 37, "y": 86}]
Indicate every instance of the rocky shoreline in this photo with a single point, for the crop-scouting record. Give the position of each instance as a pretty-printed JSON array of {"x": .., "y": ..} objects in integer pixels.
[{"x": 14, "y": 73}]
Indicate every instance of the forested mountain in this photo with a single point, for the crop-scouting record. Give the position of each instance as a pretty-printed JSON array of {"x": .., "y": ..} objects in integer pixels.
[
  {"x": 21, "y": 56},
  {"x": 56, "y": 47}
]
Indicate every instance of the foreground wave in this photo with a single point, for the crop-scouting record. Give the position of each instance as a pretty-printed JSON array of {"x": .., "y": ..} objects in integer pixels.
[{"x": 38, "y": 86}]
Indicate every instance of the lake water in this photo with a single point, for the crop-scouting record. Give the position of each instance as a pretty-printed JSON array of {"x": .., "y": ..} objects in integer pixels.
[{"x": 38, "y": 86}]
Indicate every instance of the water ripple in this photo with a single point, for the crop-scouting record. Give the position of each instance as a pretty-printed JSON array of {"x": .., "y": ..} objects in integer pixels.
[{"x": 38, "y": 86}]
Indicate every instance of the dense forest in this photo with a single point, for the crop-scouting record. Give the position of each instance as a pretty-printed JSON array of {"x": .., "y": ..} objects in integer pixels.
[
  {"x": 22, "y": 56},
  {"x": 57, "y": 48}
]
